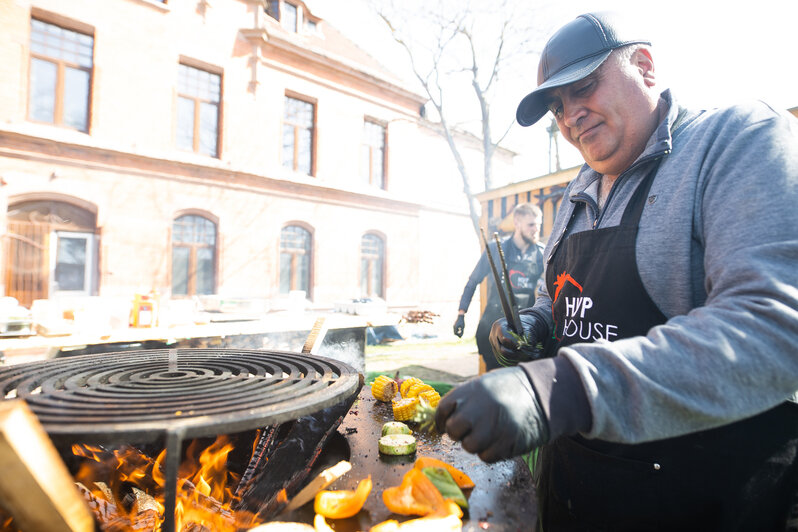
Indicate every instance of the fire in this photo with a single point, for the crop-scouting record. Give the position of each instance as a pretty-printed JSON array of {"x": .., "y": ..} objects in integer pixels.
[{"x": 125, "y": 489}]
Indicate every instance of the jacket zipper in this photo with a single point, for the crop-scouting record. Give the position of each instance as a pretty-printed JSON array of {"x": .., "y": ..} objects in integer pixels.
[{"x": 623, "y": 175}]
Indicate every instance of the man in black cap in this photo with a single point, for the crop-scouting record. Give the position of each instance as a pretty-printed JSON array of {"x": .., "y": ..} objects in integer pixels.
[{"x": 667, "y": 398}]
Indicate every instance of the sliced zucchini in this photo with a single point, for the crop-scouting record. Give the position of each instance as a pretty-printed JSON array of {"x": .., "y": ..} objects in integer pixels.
[
  {"x": 395, "y": 427},
  {"x": 397, "y": 444}
]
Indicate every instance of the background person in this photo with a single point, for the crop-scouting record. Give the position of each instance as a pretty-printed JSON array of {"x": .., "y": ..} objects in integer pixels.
[
  {"x": 524, "y": 256},
  {"x": 672, "y": 292}
]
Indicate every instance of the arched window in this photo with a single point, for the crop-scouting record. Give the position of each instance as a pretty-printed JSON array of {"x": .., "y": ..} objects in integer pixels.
[
  {"x": 193, "y": 256},
  {"x": 52, "y": 250},
  {"x": 372, "y": 266},
  {"x": 295, "y": 259}
]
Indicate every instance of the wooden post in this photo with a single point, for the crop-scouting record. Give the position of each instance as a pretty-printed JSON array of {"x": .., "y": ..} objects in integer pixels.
[{"x": 35, "y": 487}]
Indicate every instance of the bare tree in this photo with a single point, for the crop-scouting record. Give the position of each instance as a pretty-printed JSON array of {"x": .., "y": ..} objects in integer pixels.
[{"x": 465, "y": 46}]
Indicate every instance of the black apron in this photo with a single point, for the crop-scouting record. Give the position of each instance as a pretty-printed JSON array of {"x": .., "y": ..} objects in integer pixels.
[{"x": 737, "y": 477}]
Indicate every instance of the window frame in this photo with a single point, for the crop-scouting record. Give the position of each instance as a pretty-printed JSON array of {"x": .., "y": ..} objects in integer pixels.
[
  {"x": 294, "y": 167},
  {"x": 197, "y": 101},
  {"x": 311, "y": 253},
  {"x": 191, "y": 280},
  {"x": 297, "y": 18},
  {"x": 383, "y": 185},
  {"x": 61, "y": 66},
  {"x": 364, "y": 273}
]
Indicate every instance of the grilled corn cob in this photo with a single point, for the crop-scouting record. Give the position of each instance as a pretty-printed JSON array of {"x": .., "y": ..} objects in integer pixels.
[
  {"x": 416, "y": 389},
  {"x": 405, "y": 409},
  {"x": 407, "y": 383},
  {"x": 431, "y": 396},
  {"x": 384, "y": 388}
]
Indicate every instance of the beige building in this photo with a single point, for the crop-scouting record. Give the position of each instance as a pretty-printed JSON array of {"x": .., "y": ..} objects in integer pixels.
[{"x": 231, "y": 148}]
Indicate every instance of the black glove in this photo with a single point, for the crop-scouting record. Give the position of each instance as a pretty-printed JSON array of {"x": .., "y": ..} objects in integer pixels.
[
  {"x": 496, "y": 416},
  {"x": 459, "y": 325},
  {"x": 506, "y": 347}
]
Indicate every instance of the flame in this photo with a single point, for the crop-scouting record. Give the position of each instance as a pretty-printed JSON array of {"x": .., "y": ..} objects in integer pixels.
[{"x": 126, "y": 486}]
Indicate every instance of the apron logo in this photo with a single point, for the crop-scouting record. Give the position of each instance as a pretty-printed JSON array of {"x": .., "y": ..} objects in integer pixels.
[
  {"x": 574, "y": 323},
  {"x": 518, "y": 279},
  {"x": 560, "y": 282}
]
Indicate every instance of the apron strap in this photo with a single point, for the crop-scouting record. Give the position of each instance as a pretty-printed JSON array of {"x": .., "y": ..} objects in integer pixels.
[{"x": 634, "y": 209}]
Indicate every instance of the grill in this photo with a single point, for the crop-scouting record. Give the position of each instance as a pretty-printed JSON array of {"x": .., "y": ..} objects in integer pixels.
[{"x": 174, "y": 394}]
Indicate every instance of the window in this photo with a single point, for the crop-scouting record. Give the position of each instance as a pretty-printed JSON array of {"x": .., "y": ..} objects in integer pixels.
[
  {"x": 372, "y": 165},
  {"x": 193, "y": 256},
  {"x": 298, "y": 128},
  {"x": 51, "y": 249},
  {"x": 289, "y": 17},
  {"x": 60, "y": 75},
  {"x": 295, "y": 259},
  {"x": 198, "y": 99},
  {"x": 73, "y": 262},
  {"x": 372, "y": 264}
]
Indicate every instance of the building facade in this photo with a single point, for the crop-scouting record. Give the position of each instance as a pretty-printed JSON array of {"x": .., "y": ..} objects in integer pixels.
[{"x": 237, "y": 148}]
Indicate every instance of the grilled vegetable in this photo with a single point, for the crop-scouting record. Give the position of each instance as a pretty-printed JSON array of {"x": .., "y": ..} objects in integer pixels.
[
  {"x": 462, "y": 480},
  {"x": 416, "y": 495},
  {"x": 444, "y": 519},
  {"x": 405, "y": 409},
  {"x": 415, "y": 389},
  {"x": 449, "y": 489},
  {"x": 384, "y": 388},
  {"x": 342, "y": 503},
  {"x": 320, "y": 524},
  {"x": 395, "y": 427},
  {"x": 431, "y": 396},
  {"x": 407, "y": 383},
  {"x": 397, "y": 444}
]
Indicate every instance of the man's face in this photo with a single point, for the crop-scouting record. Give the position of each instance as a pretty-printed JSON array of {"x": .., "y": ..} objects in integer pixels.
[
  {"x": 608, "y": 114},
  {"x": 528, "y": 228}
]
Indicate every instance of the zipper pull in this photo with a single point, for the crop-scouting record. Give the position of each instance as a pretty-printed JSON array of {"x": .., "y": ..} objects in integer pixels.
[{"x": 595, "y": 222}]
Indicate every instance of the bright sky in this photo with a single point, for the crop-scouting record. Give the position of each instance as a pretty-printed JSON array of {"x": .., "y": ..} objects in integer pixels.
[{"x": 711, "y": 52}]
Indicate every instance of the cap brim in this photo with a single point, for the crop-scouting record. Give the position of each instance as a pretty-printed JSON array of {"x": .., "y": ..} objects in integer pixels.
[{"x": 534, "y": 105}]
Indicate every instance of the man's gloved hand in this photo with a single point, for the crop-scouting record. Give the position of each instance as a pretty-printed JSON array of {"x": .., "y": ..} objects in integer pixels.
[
  {"x": 459, "y": 325},
  {"x": 496, "y": 416},
  {"x": 505, "y": 343}
]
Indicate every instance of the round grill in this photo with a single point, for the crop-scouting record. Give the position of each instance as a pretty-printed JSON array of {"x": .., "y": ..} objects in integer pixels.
[{"x": 140, "y": 395}]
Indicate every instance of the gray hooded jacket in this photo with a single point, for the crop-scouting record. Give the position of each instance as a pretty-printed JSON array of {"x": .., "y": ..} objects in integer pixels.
[{"x": 717, "y": 251}]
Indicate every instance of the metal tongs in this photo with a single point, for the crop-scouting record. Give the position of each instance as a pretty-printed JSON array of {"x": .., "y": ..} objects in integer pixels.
[{"x": 506, "y": 298}]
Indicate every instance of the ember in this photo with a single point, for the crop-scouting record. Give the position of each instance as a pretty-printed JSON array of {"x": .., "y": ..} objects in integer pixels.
[{"x": 124, "y": 489}]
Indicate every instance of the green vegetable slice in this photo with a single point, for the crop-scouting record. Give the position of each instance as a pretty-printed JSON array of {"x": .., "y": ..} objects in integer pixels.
[
  {"x": 397, "y": 444},
  {"x": 395, "y": 427},
  {"x": 443, "y": 480}
]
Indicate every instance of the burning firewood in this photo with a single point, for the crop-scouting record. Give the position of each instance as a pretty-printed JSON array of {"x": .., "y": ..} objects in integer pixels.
[
  {"x": 35, "y": 486},
  {"x": 122, "y": 506}
]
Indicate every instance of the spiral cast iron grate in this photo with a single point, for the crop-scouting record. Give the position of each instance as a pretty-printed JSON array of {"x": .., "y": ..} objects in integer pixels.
[
  {"x": 138, "y": 395},
  {"x": 174, "y": 394}
]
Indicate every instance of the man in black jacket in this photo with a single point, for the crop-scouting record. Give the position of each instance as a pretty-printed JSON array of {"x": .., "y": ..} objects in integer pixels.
[{"x": 524, "y": 255}]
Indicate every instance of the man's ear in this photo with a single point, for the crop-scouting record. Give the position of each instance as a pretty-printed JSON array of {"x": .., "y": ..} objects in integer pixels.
[{"x": 644, "y": 63}]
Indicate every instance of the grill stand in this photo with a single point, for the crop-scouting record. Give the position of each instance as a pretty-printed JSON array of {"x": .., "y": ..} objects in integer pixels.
[
  {"x": 200, "y": 392},
  {"x": 174, "y": 440}
]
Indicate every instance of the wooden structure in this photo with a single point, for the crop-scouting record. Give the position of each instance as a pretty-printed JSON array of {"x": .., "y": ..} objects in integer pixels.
[{"x": 545, "y": 191}]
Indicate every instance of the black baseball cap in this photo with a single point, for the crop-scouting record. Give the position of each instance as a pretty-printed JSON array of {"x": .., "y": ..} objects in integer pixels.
[{"x": 573, "y": 52}]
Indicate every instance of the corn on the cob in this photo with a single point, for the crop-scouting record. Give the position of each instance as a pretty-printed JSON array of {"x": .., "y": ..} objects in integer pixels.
[
  {"x": 416, "y": 389},
  {"x": 407, "y": 383},
  {"x": 384, "y": 388},
  {"x": 431, "y": 396},
  {"x": 405, "y": 409}
]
